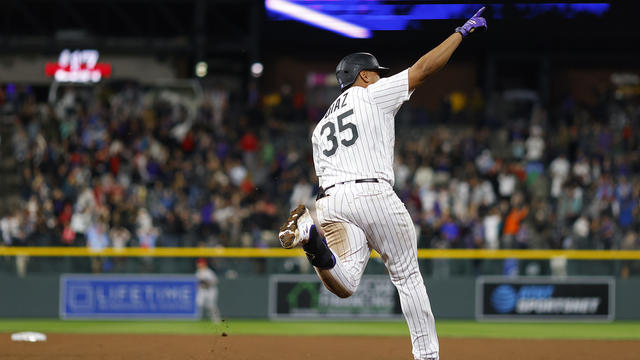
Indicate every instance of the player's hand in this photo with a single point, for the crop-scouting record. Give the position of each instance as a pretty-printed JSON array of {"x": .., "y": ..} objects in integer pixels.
[{"x": 476, "y": 22}]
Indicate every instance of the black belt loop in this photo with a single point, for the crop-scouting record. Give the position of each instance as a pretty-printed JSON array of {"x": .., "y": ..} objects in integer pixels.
[
  {"x": 366, "y": 181},
  {"x": 322, "y": 192}
]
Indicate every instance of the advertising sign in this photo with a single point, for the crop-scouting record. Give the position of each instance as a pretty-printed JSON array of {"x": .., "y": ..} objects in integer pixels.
[
  {"x": 128, "y": 296},
  {"x": 304, "y": 296},
  {"x": 531, "y": 298},
  {"x": 78, "y": 66}
]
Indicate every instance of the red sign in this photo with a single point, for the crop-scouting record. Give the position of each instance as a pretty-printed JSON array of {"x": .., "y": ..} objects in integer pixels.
[{"x": 78, "y": 66}]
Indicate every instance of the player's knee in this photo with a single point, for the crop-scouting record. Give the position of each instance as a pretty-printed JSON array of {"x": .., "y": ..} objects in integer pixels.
[
  {"x": 412, "y": 278},
  {"x": 339, "y": 289},
  {"x": 342, "y": 289}
]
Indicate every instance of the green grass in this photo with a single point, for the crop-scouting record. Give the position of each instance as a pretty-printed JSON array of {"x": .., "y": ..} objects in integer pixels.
[{"x": 615, "y": 330}]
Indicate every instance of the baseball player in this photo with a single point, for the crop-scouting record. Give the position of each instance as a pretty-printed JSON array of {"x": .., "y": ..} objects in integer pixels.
[
  {"x": 207, "y": 296},
  {"x": 357, "y": 207}
]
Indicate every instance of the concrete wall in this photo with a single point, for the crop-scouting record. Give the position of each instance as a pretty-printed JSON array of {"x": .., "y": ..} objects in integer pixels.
[
  {"x": 34, "y": 296},
  {"x": 627, "y": 295}
]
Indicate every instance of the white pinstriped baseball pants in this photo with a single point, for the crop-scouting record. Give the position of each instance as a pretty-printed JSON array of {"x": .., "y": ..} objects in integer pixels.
[{"x": 359, "y": 217}]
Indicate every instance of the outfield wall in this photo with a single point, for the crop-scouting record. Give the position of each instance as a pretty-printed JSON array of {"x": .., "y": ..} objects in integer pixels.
[{"x": 37, "y": 296}]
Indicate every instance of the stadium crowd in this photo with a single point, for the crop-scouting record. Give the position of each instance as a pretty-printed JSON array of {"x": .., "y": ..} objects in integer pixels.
[
  {"x": 139, "y": 168},
  {"x": 135, "y": 167}
]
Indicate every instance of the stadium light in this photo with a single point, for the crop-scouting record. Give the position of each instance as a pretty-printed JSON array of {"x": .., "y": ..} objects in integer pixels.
[
  {"x": 318, "y": 19},
  {"x": 257, "y": 69},
  {"x": 201, "y": 69}
]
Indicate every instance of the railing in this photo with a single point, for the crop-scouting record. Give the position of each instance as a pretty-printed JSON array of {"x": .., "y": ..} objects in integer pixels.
[
  {"x": 434, "y": 263},
  {"x": 284, "y": 253}
]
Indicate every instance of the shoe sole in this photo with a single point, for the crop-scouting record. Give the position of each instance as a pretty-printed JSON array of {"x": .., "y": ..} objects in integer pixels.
[{"x": 291, "y": 227}]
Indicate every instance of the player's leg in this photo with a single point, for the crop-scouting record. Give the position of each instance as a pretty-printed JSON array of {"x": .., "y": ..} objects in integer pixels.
[
  {"x": 346, "y": 239},
  {"x": 341, "y": 269},
  {"x": 391, "y": 233},
  {"x": 349, "y": 247},
  {"x": 200, "y": 301},
  {"x": 215, "y": 311}
]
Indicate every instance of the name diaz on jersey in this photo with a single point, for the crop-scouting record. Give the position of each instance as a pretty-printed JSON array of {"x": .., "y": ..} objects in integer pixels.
[{"x": 340, "y": 102}]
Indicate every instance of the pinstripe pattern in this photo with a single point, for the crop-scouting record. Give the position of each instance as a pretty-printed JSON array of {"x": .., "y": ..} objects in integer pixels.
[
  {"x": 358, "y": 217},
  {"x": 371, "y": 155}
]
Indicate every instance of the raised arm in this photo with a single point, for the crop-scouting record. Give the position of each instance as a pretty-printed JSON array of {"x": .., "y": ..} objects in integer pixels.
[{"x": 438, "y": 57}]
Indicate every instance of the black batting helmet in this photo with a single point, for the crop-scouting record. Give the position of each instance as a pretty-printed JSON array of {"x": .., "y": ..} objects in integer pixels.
[{"x": 350, "y": 66}]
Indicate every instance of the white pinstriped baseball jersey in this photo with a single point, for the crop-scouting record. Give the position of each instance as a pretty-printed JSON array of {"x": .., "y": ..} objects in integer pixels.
[{"x": 355, "y": 138}]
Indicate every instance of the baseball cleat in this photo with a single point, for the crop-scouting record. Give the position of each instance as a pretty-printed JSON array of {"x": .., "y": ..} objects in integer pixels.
[{"x": 297, "y": 228}]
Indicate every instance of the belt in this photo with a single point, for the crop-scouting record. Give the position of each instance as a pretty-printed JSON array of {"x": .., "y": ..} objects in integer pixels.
[{"x": 322, "y": 191}]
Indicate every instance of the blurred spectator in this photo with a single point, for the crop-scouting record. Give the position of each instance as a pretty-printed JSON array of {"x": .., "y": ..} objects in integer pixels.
[
  {"x": 11, "y": 228},
  {"x": 512, "y": 224},
  {"x": 97, "y": 240},
  {"x": 506, "y": 184},
  {"x": 491, "y": 224},
  {"x": 535, "y": 144},
  {"x": 559, "y": 174},
  {"x": 302, "y": 194}
]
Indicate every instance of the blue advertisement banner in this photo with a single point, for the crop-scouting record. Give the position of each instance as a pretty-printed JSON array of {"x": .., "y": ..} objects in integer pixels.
[
  {"x": 545, "y": 298},
  {"x": 128, "y": 296}
]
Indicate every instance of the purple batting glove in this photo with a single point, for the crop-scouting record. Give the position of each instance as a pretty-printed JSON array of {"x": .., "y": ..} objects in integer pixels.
[{"x": 476, "y": 22}]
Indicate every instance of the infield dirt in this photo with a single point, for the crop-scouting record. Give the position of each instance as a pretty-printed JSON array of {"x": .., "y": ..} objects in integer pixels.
[{"x": 245, "y": 347}]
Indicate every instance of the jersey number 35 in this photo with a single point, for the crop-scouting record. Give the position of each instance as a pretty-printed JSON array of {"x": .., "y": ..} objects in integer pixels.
[{"x": 331, "y": 136}]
